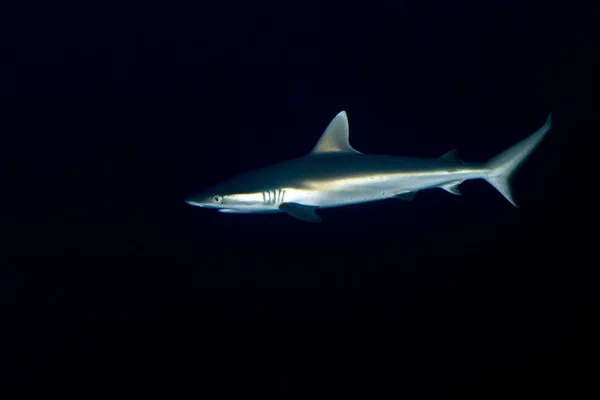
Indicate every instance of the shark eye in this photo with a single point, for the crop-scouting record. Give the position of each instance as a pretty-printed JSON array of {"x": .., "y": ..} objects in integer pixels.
[{"x": 217, "y": 199}]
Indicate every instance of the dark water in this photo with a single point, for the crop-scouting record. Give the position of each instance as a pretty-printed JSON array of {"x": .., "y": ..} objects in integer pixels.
[{"x": 113, "y": 113}]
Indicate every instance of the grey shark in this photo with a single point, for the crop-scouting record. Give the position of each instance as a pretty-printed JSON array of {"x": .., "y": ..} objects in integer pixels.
[{"x": 334, "y": 174}]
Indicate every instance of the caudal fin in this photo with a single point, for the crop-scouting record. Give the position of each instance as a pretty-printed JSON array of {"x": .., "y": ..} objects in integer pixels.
[{"x": 504, "y": 165}]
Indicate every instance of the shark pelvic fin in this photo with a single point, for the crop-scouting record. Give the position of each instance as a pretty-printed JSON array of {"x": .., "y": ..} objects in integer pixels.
[
  {"x": 335, "y": 139},
  {"x": 301, "y": 212},
  {"x": 452, "y": 187},
  {"x": 406, "y": 196}
]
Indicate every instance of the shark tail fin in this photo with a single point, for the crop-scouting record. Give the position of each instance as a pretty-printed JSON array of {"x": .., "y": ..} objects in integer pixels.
[{"x": 501, "y": 167}]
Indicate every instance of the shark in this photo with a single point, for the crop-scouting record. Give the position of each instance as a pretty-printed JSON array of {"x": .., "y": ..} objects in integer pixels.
[{"x": 334, "y": 174}]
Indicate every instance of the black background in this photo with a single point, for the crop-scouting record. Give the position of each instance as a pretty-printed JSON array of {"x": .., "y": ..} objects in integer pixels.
[{"x": 113, "y": 113}]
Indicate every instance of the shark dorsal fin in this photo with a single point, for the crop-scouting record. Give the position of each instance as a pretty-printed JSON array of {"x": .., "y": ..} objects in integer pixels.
[{"x": 335, "y": 139}]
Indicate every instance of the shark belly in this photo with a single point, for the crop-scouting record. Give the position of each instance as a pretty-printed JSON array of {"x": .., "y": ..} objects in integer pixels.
[{"x": 363, "y": 189}]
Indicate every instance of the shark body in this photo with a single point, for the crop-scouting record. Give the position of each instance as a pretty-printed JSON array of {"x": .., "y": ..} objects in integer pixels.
[{"x": 334, "y": 174}]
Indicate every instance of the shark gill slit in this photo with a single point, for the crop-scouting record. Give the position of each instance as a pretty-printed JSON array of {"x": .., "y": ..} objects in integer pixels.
[{"x": 271, "y": 197}]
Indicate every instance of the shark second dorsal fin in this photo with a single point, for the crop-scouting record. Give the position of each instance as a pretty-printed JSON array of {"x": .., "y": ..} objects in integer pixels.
[
  {"x": 452, "y": 155},
  {"x": 335, "y": 139}
]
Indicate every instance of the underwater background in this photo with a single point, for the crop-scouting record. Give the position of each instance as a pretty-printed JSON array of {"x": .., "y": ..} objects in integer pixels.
[{"x": 112, "y": 113}]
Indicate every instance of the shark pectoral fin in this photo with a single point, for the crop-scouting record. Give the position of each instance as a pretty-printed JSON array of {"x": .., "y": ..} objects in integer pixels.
[
  {"x": 452, "y": 187},
  {"x": 299, "y": 211},
  {"x": 406, "y": 196}
]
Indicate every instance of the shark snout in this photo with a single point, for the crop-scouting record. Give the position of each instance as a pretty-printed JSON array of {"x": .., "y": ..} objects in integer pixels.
[{"x": 193, "y": 203}]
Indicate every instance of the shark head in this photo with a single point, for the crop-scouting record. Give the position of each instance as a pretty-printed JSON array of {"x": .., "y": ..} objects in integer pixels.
[{"x": 227, "y": 198}]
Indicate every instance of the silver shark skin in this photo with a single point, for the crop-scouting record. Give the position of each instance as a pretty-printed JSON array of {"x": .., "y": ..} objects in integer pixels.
[{"x": 334, "y": 174}]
